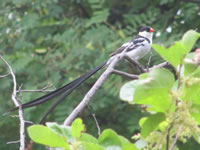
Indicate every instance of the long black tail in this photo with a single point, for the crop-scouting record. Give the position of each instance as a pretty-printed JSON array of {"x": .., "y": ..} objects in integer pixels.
[{"x": 67, "y": 89}]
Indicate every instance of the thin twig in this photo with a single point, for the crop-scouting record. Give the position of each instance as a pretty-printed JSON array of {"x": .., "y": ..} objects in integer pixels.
[
  {"x": 5, "y": 75},
  {"x": 29, "y": 122},
  {"x": 13, "y": 142},
  {"x": 128, "y": 75},
  {"x": 95, "y": 87},
  {"x": 14, "y": 98},
  {"x": 136, "y": 63},
  {"x": 176, "y": 138},
  {"x": 95, "y": 119},
  {"x": 164, "y": 64},
  {"x": 97, "y": 124},
  {"x": 43, "y": 90},
  {"x": 168, "y": 137}
]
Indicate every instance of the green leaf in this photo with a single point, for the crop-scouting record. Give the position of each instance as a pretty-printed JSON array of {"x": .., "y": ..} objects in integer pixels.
[
  {"x": 109, "y": 138},
  {"x": 77, "y": 128},
  {"x": 98, "y": 17},
  {"x": 154, "y": 90},
  {"x": 174, "y": 55},
  {"x": 191, "y": 90},
  {"x": 127, "y": 91},
  {"x": 189, "y": 39},
  {"x": 129, "y": 146},
  {"x": 126, "y": 145},
  {"x": 195, "y": 112},
  {"x": 189, "y": 65},
  {"x": 88, "y": 138},
  {"x": 92, "y": 146},
  {"x": 43, "y": 135},
  {"x": 62, "y": 130},
  {"x": 152, "y": 123}
]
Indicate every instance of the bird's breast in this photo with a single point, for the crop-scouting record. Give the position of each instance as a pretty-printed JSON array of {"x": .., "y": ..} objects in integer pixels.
[{"x": 139, "y": 52}]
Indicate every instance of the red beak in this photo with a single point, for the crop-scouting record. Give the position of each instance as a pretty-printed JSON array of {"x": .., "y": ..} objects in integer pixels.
[{"x": 151, "y": 30}]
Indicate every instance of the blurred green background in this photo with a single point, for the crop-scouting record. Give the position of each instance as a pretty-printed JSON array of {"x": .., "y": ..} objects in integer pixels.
[{"x": 55, "y": 41}]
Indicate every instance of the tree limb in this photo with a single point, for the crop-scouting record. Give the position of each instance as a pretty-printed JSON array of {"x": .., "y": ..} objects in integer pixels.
[
  {"x": 14, "y": 98},
  {"x": 99, "y": 83},
  {"x": 95, "y": 87},
  {"x": 128, "y": 75},
  {"x": 42, "y": 90},
  {"x": 164, "y": 64},
  {"x": 176, "y": 138},
  {"x": 5, "y": 75}
]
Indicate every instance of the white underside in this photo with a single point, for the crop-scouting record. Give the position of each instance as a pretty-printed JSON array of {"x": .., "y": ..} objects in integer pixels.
[{"x": 139, "y": 52}]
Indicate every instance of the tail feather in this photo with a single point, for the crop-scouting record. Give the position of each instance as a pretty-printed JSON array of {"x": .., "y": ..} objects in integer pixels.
[{"x": 70, "y": 86}]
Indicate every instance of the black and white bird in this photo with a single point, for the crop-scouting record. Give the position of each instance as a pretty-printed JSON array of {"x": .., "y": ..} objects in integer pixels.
[{"x": 136, "y": 48}]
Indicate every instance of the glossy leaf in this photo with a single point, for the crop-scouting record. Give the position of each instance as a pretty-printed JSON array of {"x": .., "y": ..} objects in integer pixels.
[
  {"x": 195, "y": 112},
  {"x": 127, "y": 91},
  {"x": 154, "y": 90},
  {"x": 92, "y": 146},
  {"x": 43, "y": 135},
  {"x": 189, "y": 39},
  {"x": 109, "y": 138},
  {"x": 77, "y": 128},
  {"x": 152, "y": 123},
  {"x": 126, "y": 144},
  {"x": 88, "y": 138},
  {"x": 174, "y": 54},
  {"x": 62, "y": 130},
  {"x": 191, "y": 90}
]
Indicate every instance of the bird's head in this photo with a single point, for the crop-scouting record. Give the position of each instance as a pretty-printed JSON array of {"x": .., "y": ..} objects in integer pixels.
[{"x": 146, "y": 32}]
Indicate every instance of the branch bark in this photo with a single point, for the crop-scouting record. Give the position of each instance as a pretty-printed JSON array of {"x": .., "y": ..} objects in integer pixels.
[
  {"x": 125, "y": 74},
  {"x": 112, "y": 62},
  {"x": 91, "y": 92},
  {"x": 14, "y": 98},
  {"x": 5, "y": 75},
  {"x": 99, "y": 83}
]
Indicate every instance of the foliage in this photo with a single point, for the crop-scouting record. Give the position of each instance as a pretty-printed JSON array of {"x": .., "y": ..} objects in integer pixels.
[
  {"x": 59, "y": 136},
  {"x": 54, "y": 41},
  {"x": 173, "y": 105}
]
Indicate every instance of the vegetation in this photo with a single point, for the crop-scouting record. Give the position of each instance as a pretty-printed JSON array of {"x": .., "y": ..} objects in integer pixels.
[{"x": 55, "y": 41}]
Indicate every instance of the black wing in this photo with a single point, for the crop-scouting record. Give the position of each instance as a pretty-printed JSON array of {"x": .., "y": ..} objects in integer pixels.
[{"x": 137, "y": 41}]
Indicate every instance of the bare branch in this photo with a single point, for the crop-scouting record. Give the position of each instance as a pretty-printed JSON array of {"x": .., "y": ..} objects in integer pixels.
[
  {"x": 164, "y": 64},
  {"x": 128, "y": 75},
  {"x": 43, "y": 90},
  {"x": 5, "y": 75},
  {"x": 22, "y": 122},
  {"x": 136, "y": 63},
  {"x": 97, "y": 124},
  {"x": 176, "y": 138},
  {"x": 13, "y": 142},
  {"x": 95, "y": 87},
  {"x": 95, "y": 119},
  {"x": 14, "y": 98}
]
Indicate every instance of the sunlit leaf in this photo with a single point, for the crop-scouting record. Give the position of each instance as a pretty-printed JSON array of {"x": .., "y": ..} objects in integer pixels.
[
  {"x": 152, "y": 123},
  {"x": 127, "y": 91},
  {"x": 77, "y": 128},
  {"x": 43, "y": 135},
  {"x": 154, "y": 90},
  {"x": 189, "y": 39},
  {"x": 174, "y": 54},
  {"x": 109, "y": 138}
]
